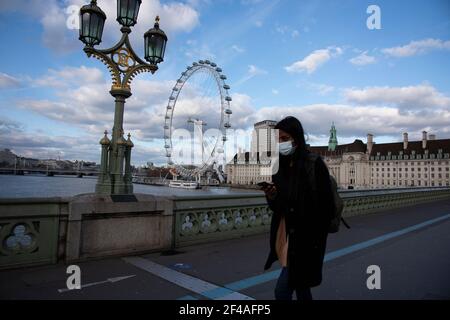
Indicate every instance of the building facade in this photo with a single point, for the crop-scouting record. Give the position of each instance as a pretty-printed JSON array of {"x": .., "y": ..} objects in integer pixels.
[{"x": 359, "y": 165}]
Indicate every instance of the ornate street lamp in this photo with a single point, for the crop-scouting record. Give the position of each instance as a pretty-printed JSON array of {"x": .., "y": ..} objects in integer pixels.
[
  {"x": 124, "y": 65},
  {"x": 155, "y": 44},
  {"x": 127, "y": 12},
  {"x": 92, "y": 20}
]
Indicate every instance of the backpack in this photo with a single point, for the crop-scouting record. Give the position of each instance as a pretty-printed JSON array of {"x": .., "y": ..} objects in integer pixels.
[{"x": 338, "y": 203}]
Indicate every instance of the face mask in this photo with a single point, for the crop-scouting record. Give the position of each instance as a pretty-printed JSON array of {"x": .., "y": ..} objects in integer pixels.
[{"x": 286, "y": 148}]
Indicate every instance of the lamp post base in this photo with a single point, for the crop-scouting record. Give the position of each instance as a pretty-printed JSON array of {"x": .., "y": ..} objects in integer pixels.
[
  {"x": 103, "y": 188},
  {"x": 116, "y": 187}
]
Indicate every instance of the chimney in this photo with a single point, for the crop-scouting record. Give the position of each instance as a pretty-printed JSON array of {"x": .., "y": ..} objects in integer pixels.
[
  {"x": 432, "y": 137},
  {"x": 369, "y": 143},
  {"x": 405, "y": 141},
  {"x": 424, "y": 139}
]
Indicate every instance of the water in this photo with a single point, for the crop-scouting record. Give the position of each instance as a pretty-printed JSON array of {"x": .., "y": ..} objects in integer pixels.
[{"x": 66, "y": 186}]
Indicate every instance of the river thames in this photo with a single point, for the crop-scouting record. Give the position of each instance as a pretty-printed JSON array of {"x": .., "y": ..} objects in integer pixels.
[{"x": 66, "y": 186}]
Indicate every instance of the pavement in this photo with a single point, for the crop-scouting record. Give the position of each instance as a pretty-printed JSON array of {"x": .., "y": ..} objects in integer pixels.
[{"x": 411, "y": 247}]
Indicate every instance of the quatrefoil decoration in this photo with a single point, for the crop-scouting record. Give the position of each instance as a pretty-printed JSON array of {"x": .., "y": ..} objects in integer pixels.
[
  {"x": 20, "y": 239},
  {"x": 123, "y": 59}
]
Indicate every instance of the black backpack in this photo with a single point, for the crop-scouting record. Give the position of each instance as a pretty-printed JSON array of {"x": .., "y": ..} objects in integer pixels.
[{"x": 338, "y": 203}]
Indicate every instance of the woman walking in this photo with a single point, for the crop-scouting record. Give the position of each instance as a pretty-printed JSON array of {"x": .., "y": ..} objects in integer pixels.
[{"x": 301, "y": 214}]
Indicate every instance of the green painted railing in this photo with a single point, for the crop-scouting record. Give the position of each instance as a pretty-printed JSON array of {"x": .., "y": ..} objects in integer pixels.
[
  {"x": 203, "y": 219},
  {"x": 34, "y": 231},
  {"x": 30, "y": 230}
]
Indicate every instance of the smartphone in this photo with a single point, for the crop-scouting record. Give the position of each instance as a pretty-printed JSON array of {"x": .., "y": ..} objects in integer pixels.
[{"x": 264, "y": 184}]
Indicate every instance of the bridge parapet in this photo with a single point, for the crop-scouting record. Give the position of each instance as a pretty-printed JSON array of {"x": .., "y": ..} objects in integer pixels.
[
  {"x": 203, "y": 219},
  {"x": 44, "y": 231}
]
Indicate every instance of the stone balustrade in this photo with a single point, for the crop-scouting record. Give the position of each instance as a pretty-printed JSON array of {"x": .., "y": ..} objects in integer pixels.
[{"x": 45, "y": 231}]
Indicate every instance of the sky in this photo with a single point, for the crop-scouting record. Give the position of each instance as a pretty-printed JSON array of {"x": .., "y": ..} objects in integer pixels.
[{"x": 317, "y": 60}]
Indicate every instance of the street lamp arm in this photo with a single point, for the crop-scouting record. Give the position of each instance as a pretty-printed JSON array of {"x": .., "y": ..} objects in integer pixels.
[
  {"x": 122, "y": 62},
  {"x": 135, "y": 71},
  {"x": 112, "y": 68}
]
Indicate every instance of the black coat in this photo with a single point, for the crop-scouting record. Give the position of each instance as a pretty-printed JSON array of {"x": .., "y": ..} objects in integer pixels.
[{"x": 307, "y": 219}]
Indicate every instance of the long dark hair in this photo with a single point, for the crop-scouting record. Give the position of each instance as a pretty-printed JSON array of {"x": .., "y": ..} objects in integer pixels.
[{"x": 293, "y": 126}]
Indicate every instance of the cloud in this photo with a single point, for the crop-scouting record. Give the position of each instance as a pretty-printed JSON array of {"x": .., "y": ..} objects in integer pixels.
[
  {"x": 314, "y": 60},
  {"x": 40, "y": 145},
  {"x": 295, "y": 33},
  {"x": 362, "y": 59},
  {"x": 87, "y": 105},
  {"x": 283, "y": 29},
  {"x": 417, "y": 47},
  {"x": 421, "y": 98},
  {"x": 237, "y": 49},
  {"x": 275, "y": 91},
  {"x": 7, "y": 81},
  {"x": 54, "y": 16},
  {"x": 81, "y": 98},
  {"x": 70, "y": 76},
  {"x": 195, "y": 51},
  {"x": 357, "y": 121},
  {"x": 252, "y": 72},
  {"x": 320, "y": 88}
]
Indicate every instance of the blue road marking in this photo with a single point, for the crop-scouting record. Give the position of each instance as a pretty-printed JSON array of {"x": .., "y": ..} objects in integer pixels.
[{"x": 269, "y": 276}]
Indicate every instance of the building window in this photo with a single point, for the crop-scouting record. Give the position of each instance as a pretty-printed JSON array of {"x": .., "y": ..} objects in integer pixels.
[
  {"x": 432, "y": 175},
  {"x": 439, "y": 169}
]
